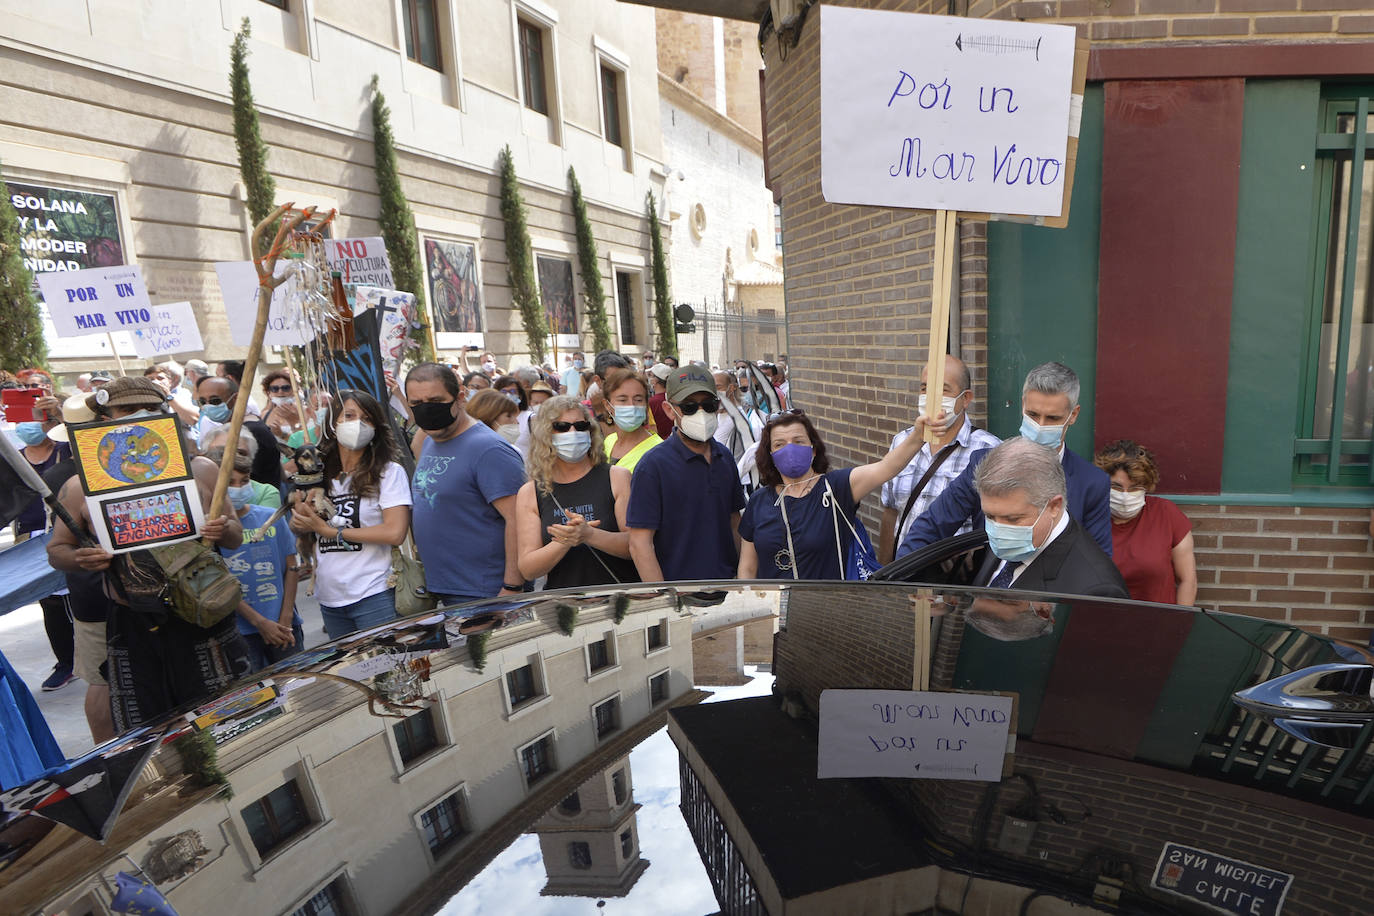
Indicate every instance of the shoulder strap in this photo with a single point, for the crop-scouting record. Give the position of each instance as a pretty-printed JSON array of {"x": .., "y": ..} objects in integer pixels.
[{"x": 916, "y": 491}]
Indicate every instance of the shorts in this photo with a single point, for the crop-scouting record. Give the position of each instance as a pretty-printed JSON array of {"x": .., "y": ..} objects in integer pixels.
[{"x": 90, "y": 652}]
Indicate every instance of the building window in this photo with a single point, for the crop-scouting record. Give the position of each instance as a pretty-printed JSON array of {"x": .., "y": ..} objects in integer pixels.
[
  {"x": 777, "y": 227},
  {"x": 625, "y": 302},
  {"x": 627, "y": 844},
  {"x": 415, "y": 735},
  {"x": 658, "y": 688},
  {"x": 571, "y": 805},
  {"x": 536, "y": 760},
  {"x": 421, "y": 20},
  {"x": 330, "y": 901},
  {"x": 1339, "y": 409},
  {"x": 610, "y": 104},
  {"x": 580, "y": 855},
  {"x": 607, "y": 717},
  {"x": 533, "y": 72},
  {"x": 522, "y": 684},
  {"x": 656, "y": 636},
  {"x": 445, "y": 824},
  {"x": 598, "y": 656},
  {"x": 279, "y": 4},
  {"x": 618, "y": 786},
  {"x": 276, "y": 818}
]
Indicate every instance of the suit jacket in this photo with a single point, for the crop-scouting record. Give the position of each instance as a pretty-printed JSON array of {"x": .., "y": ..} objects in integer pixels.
[
  {"x": 1088, "y": 486},
  {"x": 1072, "y": 564}
]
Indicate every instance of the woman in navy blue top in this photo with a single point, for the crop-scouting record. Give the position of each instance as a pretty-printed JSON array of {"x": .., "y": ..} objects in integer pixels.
[{"x": 799, "y": 522}]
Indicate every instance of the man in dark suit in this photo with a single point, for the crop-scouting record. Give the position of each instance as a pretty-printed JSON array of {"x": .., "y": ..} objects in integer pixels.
[
  {"x": 1034, "y": 544},
  {"x": 1049, "y": 406}
]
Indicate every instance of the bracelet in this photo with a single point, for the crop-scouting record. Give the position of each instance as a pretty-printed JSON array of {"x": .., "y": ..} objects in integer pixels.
[{"x": 513, "y": 588}]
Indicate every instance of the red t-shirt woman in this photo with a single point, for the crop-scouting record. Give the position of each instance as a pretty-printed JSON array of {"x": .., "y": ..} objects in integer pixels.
[{"x": 1152, "y": 540}]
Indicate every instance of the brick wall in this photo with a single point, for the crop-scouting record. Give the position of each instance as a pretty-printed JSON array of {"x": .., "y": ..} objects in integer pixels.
[{"x": 1192, "y": 21}]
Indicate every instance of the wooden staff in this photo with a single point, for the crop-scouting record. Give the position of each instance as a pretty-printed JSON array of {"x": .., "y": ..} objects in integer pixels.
[
  {"x": 267, "y": 284},
  {"x": 942, "y": 270}
]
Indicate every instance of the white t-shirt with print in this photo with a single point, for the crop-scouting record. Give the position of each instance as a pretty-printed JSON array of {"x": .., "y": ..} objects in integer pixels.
[{"x": 348, "y": 572}]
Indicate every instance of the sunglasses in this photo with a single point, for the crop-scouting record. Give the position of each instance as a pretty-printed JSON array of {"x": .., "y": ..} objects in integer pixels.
[
  {"x": 562, "y": 426},
  {"x": 794, "y": 412},
  {"x": 213, "y": 401},
  {"x": 279, "y": 389},
  {"x": 710, "y": 405}
]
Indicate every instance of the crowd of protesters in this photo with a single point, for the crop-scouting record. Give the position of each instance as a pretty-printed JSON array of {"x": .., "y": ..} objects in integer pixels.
[{"x": 613, "y": 470}]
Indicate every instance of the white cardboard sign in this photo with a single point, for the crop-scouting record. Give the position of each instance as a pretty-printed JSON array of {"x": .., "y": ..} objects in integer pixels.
[
  {"x": 944, "y": 112},
  {"x": 174, "y": 331},
  {"x": 97, "y": 300},
  {"x": 238, "y": 283},
  {"x": 913, "y": 734},
  {"x": 361, "y": 261}
]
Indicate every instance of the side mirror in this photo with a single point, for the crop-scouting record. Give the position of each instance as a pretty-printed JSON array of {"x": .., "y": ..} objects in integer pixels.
[{"x": 1330, "y": 705}]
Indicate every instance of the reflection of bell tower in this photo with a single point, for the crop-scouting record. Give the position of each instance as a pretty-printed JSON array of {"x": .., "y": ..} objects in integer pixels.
[{"x": 590, "y": 841}]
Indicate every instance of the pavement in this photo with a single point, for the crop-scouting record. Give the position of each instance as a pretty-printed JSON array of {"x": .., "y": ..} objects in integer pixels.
[{"x": 25, "y": 644}]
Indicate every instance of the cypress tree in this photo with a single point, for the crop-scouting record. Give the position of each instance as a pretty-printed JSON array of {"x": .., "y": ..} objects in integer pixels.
[
  {"x": 592, "y": 291},
  {"x": 520, "y": 260},
  {"x": 397, "y": 219},
  {"x": 663, "y": 306},
  {"x": 21, "y": 330},
  {"x": 262, "y": 190}
]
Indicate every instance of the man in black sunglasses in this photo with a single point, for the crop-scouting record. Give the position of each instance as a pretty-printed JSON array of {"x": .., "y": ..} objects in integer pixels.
[{"x": 685, "y": 496}]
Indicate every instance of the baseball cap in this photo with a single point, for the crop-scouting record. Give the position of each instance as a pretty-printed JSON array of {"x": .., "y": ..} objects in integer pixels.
[
  {"x": 689, "y": 379},
  {"x": 74, "y": 410},
  {"x": 660, "y": 371},
  {"x": 128, "y": 391}
]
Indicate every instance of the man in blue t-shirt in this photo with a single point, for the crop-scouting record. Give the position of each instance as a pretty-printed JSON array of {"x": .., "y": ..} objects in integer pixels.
[
  {"x": 685, "y": 496},
  {"x": 464, "y": 488},
  {"x": 265, "y": 566}
]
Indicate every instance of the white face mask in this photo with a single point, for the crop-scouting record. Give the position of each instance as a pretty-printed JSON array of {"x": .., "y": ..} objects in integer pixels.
[
  {"x": 948, "y": 404},
  {"x": 1126, "y": 503},
  {"x": 488, "y": 366},
  {"x": 509, "y": 431},
  {"x": 283, "y": 401},
  {"x": 700, "y": 426},
  {"x": 354, "y": 434}
]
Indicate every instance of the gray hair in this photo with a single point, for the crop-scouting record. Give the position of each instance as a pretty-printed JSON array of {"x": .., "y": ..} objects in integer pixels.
[
  {"x": 1020, "y": 464},
  {"x": 1053, "y": 378},
  {"x": 246, "y": 440},
  {"x": 1019, "y": 627},
  {"x": 527, "y": 376}
]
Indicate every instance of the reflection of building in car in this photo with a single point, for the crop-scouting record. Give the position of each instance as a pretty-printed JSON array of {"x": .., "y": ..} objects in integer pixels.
[
  {"x": 336, "y": 807},
  {"x": 590, "y": 841}
]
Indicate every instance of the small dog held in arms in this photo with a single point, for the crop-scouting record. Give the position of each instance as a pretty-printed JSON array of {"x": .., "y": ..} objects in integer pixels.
[{"x": 307, "y": 487}]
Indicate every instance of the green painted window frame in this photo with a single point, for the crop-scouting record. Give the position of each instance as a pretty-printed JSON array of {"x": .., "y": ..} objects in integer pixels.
[{"x": 1336, "y": 101}]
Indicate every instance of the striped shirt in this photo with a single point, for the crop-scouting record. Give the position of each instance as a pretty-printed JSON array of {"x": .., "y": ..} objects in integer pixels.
[{"x": 897, "y": 490}]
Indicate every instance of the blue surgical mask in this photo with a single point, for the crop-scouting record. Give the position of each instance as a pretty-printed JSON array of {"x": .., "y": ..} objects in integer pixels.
[
  {"x": 1012, "y": 543},
  {"x": 1048, "y": 436},
  {"x": 577, "y": 364},
  {"x": 630, "y": 417},
  {"x": 142, "y": 414},
  {"x": 240, "y": 496},
  {"x": 572, "y": 445},
  {"x": 514, "y": 398},
  {"x": 30, "y": 433},
  {"x": 217, "y": 413}
]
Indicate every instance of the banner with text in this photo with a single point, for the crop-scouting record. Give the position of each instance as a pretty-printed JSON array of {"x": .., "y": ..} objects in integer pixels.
[
  {"x": 238, "y": 283},
  {"x": 360, "y": 262},
  {"x": 174, "y": 330},
  {"x": 97, "y": 300},
  {"x": 944, "y": 112},
  {"x": 913, "y": 734}
]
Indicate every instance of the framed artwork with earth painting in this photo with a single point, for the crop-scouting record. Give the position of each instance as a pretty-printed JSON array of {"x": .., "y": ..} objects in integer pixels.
[{"x": 115, "y": 455}]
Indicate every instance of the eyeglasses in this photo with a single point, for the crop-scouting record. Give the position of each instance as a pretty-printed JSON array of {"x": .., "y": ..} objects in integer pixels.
[
  {"x": 794, "y": 412},
  {"x": 279, "y": 389},
  {"x": 562, "y": 426},
  {"x": 213, "y": 401},
  {"x": 710, "y": 405}
]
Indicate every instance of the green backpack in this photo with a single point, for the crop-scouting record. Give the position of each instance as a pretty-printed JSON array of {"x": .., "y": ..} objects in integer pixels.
[{"x": 200, "y": 588}]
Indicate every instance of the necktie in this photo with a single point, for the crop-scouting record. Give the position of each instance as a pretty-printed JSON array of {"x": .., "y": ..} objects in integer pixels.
[{"x": 1003, "y": 577}]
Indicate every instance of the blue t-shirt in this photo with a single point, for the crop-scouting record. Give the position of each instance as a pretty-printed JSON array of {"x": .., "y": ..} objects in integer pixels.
[
  {"x": 813, "y": 530},
  {"x": 688, "y": 502},
  {"x": 459, "y": 533},
  {"x": 261, "y": 567}
]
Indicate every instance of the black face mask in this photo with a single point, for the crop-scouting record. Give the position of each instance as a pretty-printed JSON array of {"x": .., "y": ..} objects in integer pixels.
[{"x": 433, "y": 416}]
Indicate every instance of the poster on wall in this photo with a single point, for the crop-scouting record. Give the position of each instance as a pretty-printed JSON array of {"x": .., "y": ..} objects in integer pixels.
[
  {"x": 560, "y": 300},
  {"x": 455, "y": 293},
  {"x": 63, "y": 229}
]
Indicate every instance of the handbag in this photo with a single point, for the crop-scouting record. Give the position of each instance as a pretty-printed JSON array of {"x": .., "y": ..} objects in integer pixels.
[
  {"x": 200, "y": 588},
  {"x": 408, "y": 578},
  {"x": 860, "y": 561}
]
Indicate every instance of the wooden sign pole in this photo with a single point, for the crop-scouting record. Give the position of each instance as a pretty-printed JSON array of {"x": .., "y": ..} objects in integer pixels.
[{"x": 942, "y": 271}]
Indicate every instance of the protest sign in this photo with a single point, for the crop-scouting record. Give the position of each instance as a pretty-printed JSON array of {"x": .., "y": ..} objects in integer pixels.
[
  {"x": 944, "y": 112},
  {"x": 174, "y": 331},
  {"x": 913, "y": 734},
  {"x": 396, "y": 312},
  {"x": 114, "y": 455},
  {"x": 147, "y": 517},
  {"x": 96, "y": 301},
  {"x": 238, "y": 283},
  {"x": 360, "y": 262}
]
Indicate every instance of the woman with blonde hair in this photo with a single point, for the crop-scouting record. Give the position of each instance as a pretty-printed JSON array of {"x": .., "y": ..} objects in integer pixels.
[{"x": 570, "y": 514}]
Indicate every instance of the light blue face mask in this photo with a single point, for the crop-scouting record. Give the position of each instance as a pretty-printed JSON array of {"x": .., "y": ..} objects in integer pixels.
[
  {"x": 572, "y": 445},
  {"x": 1012, "y": 543},
  {"x": 630, "y": 417},
  {"x": 1048, "y": 436},
  {"x": 240, "y": 496},
  {"x": 142, "y": 414},
  {"x": 217, "y": 413},
  {"x": 30, "y": 433}
]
